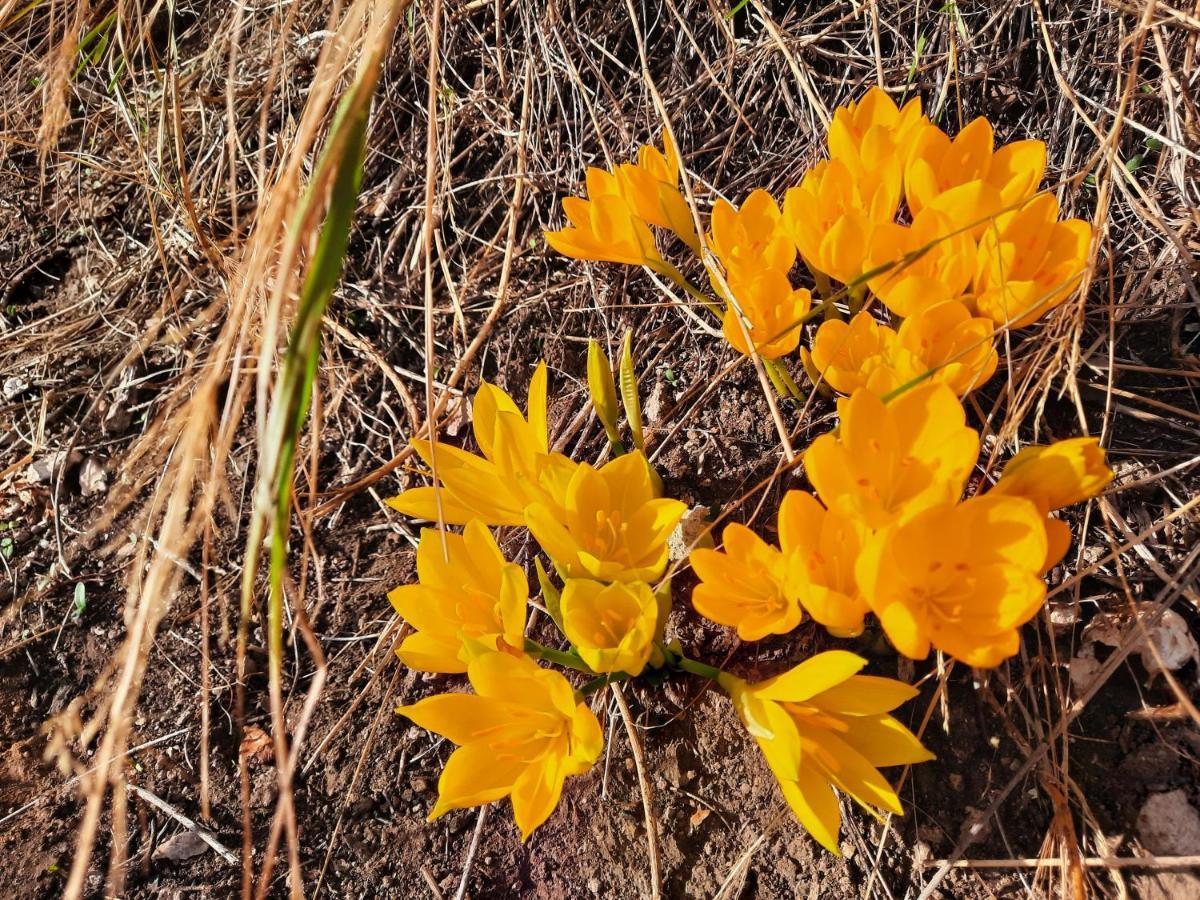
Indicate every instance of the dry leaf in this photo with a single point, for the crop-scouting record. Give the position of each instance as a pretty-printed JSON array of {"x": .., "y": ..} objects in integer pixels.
[
  {"x": 182, "y": 846},
  {"x": 257, "y": 744}
]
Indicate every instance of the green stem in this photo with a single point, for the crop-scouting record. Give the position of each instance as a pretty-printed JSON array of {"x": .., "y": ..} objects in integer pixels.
[
  {"x": 695, "y": 667},
  {"x": 677, "y": 277},
  {"x": 601, "y": 681},
  {"x": 563, "y": 658}
]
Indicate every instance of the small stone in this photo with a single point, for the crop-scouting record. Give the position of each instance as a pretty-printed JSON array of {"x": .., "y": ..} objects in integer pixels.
[{"x": 593, "y": 885}]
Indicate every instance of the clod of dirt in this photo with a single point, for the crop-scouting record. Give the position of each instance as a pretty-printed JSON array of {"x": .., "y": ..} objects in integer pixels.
[
  {"x": 14, "y": 387},
  {"x": 689, "y": 531},
  {"x": 44, "y": 469},
  {"x": 182, "y": 846},
  {"x": 1169, "y": 825},
  {"x": 1166, "y": 644},
  {"x": 93, "y": 479}
]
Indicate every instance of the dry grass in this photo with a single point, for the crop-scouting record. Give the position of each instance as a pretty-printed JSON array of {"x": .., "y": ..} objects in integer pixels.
[{"x": 153, "y": 239}]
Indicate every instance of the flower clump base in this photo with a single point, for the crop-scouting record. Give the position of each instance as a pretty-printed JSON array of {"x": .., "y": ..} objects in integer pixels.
[{"x": 921, "y": 249}]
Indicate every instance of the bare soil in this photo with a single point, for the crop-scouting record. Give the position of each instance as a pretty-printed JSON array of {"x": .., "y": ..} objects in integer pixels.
[{"x": 99, "y": 320}]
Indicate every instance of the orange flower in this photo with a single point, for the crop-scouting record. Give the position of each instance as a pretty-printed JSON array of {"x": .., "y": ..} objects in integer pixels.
[
  {"x": 611, "y": 525},
  {"x": 651, "y": 186},
  {"x": 1029, "y": 263},
  {"x": 604, "y": 227},
  {"x": 832, "y": 214},
  {"x": 944, "y": 338},
  {"x": 827, "y": 545},
  {"x": 926, "y": 262},
  {"x": 469, "y": 600},
  {"x": 748, "y": 585},
  {"x": 773, "y": 311},
  {"x": 516, "y": 467},
  {"x": 822, "y": 728},
  {"x": 980, "y": 181},
  {"x": 888, "y": 461},
  {"x": 1062, "y": 474},
  {"x": 858, "y": 355},
  {"x": 862, "y": 130},
  {"x": 752, "y": 238},
  {"x": 959, "y": 577}
]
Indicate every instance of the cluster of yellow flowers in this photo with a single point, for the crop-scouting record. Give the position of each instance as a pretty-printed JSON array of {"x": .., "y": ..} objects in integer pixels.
[
  {"x": 977, "y": 249},
  {"x": 887, "y": 530}
]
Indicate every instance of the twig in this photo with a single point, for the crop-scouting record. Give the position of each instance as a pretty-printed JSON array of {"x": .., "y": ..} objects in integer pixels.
[
  {"x": 190, "y": 824},
  {"x": 639, "y": 761}
]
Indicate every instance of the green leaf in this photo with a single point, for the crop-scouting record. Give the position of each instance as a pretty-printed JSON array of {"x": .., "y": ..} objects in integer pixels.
[
  {"x": 629, "y": 393},
  {"x": 603, "y": 391},
  {"x": 79, "y": 603},
  {"x": 550, "y": 595}
]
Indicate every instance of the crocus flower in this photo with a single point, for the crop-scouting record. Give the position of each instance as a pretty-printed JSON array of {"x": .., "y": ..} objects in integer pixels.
[
  {"x": 520, "y": 735},
  {"x": 940, "y": 167},
  {"x": 823, "y": 728},
  {"x": 827, "y": 544},
  {"x": 892, "y": 459},
  {"x": 858, "y": 355},
  {"x": 863, "y": 130},
  {"x": 604, "y": 227},
  {"x": 920, "y": 264},
  {"x": 945, "y": 339},
  {"x": 1029, "y": 263},
  {"x": 752, "y": 237},
  {"x": 1058, "y": 475},
  {"x": 469, "y": 599},
  {"x": 959, "y": 577},
  {"x": 651, "y": 187},
  {"x": 748, "y": 585},
  {"x": 612, "y": 525},
  {"x": 611, "y": 625},
  {"x": 773, "y": 311},
  {"x": 832, "y": 215},
  {"x": 516, "y": 467}
]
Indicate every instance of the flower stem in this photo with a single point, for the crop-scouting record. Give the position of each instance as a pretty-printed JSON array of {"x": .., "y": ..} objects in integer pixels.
[
  {"x": 601, "y": 681},
  {"x": 695, "y": 667},
  {"x": 564, "y": 658}
]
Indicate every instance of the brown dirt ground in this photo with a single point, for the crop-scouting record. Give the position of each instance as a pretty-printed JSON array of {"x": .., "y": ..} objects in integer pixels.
[{"x": 82, "y": 280}]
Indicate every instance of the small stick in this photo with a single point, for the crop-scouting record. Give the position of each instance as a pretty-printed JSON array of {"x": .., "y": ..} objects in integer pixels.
[
  {"x": 191, "y": 825},
  {"x": 639, "y": 761},
  {"x": 471, "y": 850},
  {"x": 1096, "y": 862}
]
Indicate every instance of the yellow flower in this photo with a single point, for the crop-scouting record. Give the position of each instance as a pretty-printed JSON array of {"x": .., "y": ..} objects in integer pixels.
[
  {"x": 468, "y": 600},
  {"x": 1029, "y": 263},
  {"x": 982, "y": 182},
  {"x": 749, "y": 585},
  {"x": 946, "y": 338},
  {"x": 604, "y": 227},
  {"x": 516, "y": 468},
  {"x": 1058, "y": 475},
  {"x": 752, "y": 238},
  {"x": 925, "y": 262},
  {"x": 651, "y": 187},
  {"x": 891, "y": 460},
  {"x": 612, "y": 525},
  {"x": 612, "y": 626},
  {"x": 827, "y": 545},
  {"x": 863, "y": 131},
  {"x": 773, "y": 311},
  {"x": 823, "y": 728},
  {"x": 520, "y": 735},
  {"x": 832, "y": 215},
  {"x": 1062, "y": 474},
  {"x": 960, "y": 577},
  {"x": 853, "y": 356}
]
